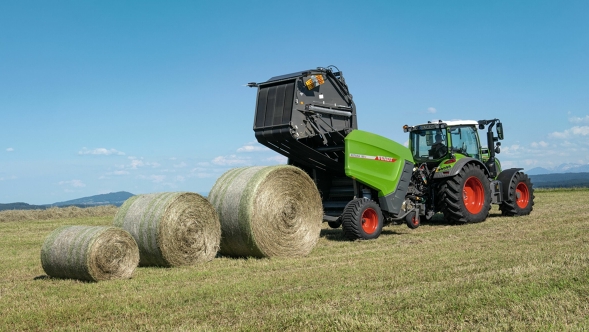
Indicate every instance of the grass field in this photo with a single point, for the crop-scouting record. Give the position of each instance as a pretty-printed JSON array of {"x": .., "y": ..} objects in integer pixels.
[{"x": 525, "y": 273}]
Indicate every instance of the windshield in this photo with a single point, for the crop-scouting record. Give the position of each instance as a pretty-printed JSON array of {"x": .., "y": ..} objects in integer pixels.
[
  {"x": 428, "y": 145},
  {"x": 465, "y": 141}
]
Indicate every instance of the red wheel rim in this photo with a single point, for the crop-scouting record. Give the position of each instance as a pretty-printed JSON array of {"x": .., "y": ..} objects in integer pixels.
[
  {"x": 522, "y": 195},
  {"x": 369, "y": 220},
  {"x": 414, "y": 221},
  {"x": 473, "y": 195}
]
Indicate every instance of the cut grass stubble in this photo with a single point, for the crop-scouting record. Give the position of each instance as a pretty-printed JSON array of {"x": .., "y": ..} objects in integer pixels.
[{"x": 526, "y": 273}]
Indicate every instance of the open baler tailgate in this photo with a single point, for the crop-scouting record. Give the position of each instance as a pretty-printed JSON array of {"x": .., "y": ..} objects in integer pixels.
[{"x": 305, "y": 117}]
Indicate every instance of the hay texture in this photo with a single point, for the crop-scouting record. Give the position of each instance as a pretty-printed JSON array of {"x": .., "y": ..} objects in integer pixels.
[
  {"x": 90, "y": 253},
  {"x": 267, "y": 211},
  {"x": 171, "y": 229}
]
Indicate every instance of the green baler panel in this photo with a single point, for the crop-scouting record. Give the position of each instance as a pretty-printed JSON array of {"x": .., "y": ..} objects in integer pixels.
[{"x": 375, "y": 161}]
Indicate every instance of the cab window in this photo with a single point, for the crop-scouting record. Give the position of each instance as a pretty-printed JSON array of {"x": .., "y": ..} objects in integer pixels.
[{"x": 465, "y": 141}]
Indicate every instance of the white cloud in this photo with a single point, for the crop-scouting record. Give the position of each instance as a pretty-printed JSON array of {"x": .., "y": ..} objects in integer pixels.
[
  {"x": 278, "y": 159},
  {"x": 8, "y": 178},
  {"x": 576, "y": 119},
  {"x": 231, "y": 160},
  {"x": 120, "y": 172},
  {"x": 138, "y": 162},
  {"x": 569, "y": 133},
  {"x": 153, "y": 178},
  {"x": 181, "y": 165},
  {"x": 101, "y": 151},
  {"x": 432, "y": 110},
  {"x": 73, "y": 183},
  {"x": 540, "y": 144},
  {"x": 252, "y": 147},
  {"x": 9, "y": 150},
  {"x": 513, "y": 149}
]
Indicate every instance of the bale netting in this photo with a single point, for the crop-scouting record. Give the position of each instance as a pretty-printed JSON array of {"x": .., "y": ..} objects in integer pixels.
[
  {"x": 171, "y": 229},
  {"x": 267, "y": 211},
  {"x": 90, "y": 253}
]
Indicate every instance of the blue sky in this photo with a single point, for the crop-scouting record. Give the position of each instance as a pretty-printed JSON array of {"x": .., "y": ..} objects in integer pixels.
[{"x": 149, "y": 96}]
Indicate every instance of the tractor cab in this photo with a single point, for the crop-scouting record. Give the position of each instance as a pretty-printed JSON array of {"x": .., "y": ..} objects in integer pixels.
[{"x": 445, "y": 142}]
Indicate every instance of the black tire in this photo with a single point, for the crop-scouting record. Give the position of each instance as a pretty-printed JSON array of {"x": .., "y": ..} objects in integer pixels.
[
  {"x": 411, "y": 220},
  {"x": 520, "y": 196},
  {"x": 466, "y": 197},
  {"x": 335, "y": 224},
  {"x": 362, "y": 219}
]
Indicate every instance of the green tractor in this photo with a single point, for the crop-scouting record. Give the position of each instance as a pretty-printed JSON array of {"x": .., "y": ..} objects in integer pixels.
[{"x": 366, "y": 179}]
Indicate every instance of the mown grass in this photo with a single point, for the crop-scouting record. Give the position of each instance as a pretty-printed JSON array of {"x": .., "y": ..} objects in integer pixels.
[
  {"x": 526, "y": 273},
  {"x": 58, "y": 213}
]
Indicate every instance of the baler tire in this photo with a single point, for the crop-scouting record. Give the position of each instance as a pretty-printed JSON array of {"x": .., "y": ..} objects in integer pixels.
[
  {"x": 466, "y": 197},
  {"x": 362, "y": 220},
  {"x": 334, "y": 224},
  {"x": 520, "y": 196},
  {"x": 411, "y": 220}
]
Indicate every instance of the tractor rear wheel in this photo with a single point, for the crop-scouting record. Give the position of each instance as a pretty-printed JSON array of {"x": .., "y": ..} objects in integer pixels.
[
  {"x": 362, "y": 219},
  {"x": 520, "y": 196},
  {"x": 466, "y": 197}
]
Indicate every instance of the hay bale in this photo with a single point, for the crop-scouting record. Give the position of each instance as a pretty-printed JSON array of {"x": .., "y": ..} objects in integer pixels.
[
  {"x": 90, "y": 253},
  {"x": 267, "y": 211},
  {"x": 171, "y": 229}
]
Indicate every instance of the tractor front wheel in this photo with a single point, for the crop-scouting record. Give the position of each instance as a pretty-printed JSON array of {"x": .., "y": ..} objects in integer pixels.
[
  {"x": 362, "y": 219},
  {"x": 466, "y": 197},
  {"x": 520, "y": 196}
]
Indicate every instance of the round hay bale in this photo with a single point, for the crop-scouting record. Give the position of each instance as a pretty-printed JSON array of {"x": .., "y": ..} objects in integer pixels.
[
  {"x": 171, "y": 229},
  {"x": 267, "y": 211},
  {"x": 90, "y": 253}
]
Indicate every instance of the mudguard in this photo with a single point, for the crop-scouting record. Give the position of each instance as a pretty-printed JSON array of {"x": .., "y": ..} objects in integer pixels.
[
  {"x": 445, "y": 171},
  {"x": 505, "y": 178}
]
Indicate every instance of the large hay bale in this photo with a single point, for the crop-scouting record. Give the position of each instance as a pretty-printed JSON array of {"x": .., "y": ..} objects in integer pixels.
[
  {"x": 267, "y": 211},
  {"x": 91, "y": 253},
  {"x": 171, "y": 229}
]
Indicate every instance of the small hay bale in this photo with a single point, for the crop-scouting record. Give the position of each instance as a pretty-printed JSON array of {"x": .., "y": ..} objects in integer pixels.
[
  {"x": 267, "y": 211},
  {"x": 90, "y": 253},
  {"x": 171, "y": 229}
]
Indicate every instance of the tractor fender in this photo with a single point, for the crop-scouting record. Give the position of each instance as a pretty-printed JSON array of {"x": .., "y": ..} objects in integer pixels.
[
  {"x": 458, "y": 166},
  {"x": 505, "y": 179}
]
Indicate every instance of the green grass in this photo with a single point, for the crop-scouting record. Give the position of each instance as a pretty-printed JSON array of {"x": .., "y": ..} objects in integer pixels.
[{"x": 525, "y": 273}]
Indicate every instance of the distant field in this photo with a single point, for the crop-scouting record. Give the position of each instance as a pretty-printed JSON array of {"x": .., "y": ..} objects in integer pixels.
[
  {"x": 53, "y": 213},
  {"x": 526, "y": 273}
]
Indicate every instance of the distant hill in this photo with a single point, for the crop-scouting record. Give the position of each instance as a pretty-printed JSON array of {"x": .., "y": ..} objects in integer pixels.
[
  {"x": 116, "y": 199},
  {"x": 560, "y": 180},
  {"x": 21, "y": 206},
  {"x": 538, "y": 170},
  {"x": 562, "y": 168}
]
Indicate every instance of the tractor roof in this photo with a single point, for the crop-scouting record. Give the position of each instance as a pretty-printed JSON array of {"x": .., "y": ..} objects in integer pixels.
[
  {"x": 440, "y": 124},
  {"x": 452, "y": 123}
]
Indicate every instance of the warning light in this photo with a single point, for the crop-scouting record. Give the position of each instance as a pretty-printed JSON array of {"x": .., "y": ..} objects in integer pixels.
[{"x": 314, "y": 81}]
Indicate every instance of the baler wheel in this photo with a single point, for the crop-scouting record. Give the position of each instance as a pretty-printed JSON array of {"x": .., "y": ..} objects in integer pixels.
[
  {"x": 334, "y": 224},
  {"x": 412, "y": 221},
  {"x": 362, "y": 219}
]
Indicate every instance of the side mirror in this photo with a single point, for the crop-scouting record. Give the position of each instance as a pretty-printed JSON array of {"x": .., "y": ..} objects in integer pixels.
[{"x": 500, "y": 130}]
